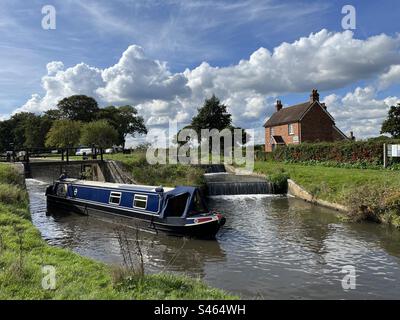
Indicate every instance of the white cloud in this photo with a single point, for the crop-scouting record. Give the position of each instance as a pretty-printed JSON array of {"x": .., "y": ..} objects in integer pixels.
[
  {"x": 59, "y": 83},
  {"x": 136, "y": 78},
  {"x": 325, "y": 60},
  {"x": 392, "y": 76},
  {"x": 360, "y": 111}
]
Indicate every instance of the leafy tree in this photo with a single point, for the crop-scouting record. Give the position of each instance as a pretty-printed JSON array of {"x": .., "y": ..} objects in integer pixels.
[
  {"x": 213, "y": 115},
  {"x": 78, "y": 108},
  {"x": 6, "y": 136},
  {"x": 125, "y": 120},
  {"x": 18, "y": 122},
  {"x": 53, "y": 114},
  {"x": 392, "y": 124},
  {"x": 64, "y": 134},
  {"x": 35, "y": 131},
  {"x": 99, "y": 133},
  {"x": 23, "y": 129}
]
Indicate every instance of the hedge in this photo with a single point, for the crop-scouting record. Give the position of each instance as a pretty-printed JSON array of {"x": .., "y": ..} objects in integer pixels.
[{"x": 369, "y": 152}]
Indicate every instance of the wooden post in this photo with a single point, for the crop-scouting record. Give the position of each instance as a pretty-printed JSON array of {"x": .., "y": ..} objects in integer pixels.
[{"x": 384, "y": 155}]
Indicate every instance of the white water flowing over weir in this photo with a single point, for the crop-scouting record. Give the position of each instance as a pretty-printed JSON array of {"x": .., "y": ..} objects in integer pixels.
[
  {"x": 272, "y": 247},
  {"x": 219, "y": 182},
  {"x": 223, "y": 183}
]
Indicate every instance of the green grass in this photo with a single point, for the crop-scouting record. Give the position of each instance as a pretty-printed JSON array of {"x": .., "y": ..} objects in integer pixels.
[
  {"x": 332, "y": 184},
  {"x": 23, "y": 253},
  {"x": 369, "y": 194},
  {"x": 159, "y": 174}
]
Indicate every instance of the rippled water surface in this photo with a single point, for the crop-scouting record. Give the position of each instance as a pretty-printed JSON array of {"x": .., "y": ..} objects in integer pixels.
[{"x": 271, "y": 247}]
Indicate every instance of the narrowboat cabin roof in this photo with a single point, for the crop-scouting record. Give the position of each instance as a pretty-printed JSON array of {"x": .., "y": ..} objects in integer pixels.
[{"x": 133, "y": 187}]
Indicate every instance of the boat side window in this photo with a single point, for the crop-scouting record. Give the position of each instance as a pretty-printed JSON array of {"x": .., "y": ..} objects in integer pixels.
[
  {"x": 176, "y": 205},
  {"x": 115, "y": 198},
  {"x": 140, "y": 201},
  {"x": 61, "y": 190}
]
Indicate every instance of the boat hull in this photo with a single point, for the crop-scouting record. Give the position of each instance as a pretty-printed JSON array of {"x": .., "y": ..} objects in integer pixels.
[{"x": 150, "y": 223}]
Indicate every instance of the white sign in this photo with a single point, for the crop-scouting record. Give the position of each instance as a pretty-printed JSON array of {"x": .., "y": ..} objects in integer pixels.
[
  {"x": 295, "y": 139},
  {"x": 394, "y": 150}
]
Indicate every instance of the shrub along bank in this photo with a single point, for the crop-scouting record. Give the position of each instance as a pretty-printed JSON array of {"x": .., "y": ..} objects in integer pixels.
[
  {"x": 159, "y": 174},
  {"x": 357, "y": 154},
  {"x": 369, "y": 194},
  {"x": 23, "y": 253}
]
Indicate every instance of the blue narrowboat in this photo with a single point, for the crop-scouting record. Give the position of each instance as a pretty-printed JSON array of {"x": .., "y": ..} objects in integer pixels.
[{"x": 179, "y": 211}]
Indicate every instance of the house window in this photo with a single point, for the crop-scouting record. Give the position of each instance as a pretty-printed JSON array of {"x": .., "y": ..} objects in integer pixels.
[
  {"x": 140, "y": 201},
  {"x": 115, "y": 198},
  {"x": 272, "y": 131},
  {"x": 291, "y": 128}
]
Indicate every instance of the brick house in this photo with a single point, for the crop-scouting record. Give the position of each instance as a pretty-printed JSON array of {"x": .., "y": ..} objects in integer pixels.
[{"x": 305, "y": 122}]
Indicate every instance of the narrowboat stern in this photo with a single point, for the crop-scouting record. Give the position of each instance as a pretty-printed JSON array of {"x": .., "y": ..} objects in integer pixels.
[{"x": 179, "y": 211}]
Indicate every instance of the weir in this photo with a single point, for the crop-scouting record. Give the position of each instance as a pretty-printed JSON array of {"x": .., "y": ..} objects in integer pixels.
[{"x": 231, "y": 184}]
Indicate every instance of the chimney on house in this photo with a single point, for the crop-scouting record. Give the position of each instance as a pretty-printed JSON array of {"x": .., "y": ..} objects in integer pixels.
[
  {"x": 323, "y": 105},
  {"x": 314, "y": 96},
  {"x": 278, "y": 105},
  {"x": 352, "y": 137}
]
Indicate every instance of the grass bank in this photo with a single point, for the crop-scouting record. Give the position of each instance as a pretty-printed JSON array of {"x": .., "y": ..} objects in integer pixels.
[
  {"x": 159, "y": 174},
  {"x": 370, "y": 194},
  {"x": 23, "y": 253}
]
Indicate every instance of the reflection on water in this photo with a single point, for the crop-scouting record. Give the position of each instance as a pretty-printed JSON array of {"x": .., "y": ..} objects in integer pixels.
[{"x": 270, "y": 247}]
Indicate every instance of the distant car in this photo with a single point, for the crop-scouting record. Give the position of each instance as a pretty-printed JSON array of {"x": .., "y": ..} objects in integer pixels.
[
  {"x": 109, "y": 150},
  {"x": 86, "y": 151}
]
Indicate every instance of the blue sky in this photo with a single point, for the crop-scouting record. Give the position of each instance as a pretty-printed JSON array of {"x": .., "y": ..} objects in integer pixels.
[{"x": 183, "y": 35}]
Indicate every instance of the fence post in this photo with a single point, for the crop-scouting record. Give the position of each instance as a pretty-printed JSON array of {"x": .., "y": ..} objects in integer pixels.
[{"x": 384, "y": 155}]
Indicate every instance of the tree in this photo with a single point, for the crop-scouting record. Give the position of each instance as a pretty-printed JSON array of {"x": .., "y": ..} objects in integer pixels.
[
  {"x": 99, "y": 133},
  {"x": 35, "y": 130},
  {"x": 64, "y": 134},
  {"x": 53, "y": 114},
  {"x": 18, "y": 122},
  {"x": 392, "y": 124},
  {"x": 213, "y": 115},
  {"x": 23, "y": 130},
  {"x": 78, "y": 108},
  {"x": 6, "y": 136},
  {"x": 125, "y": 120}
]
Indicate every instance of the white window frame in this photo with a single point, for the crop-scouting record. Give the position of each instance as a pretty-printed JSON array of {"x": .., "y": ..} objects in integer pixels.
[
  {"x": 142, "y": 196},
  {"x": 291, "y": 126},
  {"x": 272, "y": 131},
  {"x": 115, "y": 194}
]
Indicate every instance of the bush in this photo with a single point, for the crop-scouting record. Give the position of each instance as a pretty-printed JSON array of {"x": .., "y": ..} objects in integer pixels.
[
  {"x": 9, "y": 175},
  {"x": 279, "y": 181},
  {"x": 162, "y": 174},
  {"x": 375, "y": 204},
  {"x": 11, "y": 194},
  {"x": 360, "y": 154}
]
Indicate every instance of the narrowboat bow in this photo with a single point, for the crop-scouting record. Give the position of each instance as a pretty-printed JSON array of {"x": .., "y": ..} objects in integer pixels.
[{"x": 180, "y": 210}]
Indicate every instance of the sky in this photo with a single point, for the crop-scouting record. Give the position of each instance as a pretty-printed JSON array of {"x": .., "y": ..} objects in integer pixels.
[{"x": 166, "y": 57}]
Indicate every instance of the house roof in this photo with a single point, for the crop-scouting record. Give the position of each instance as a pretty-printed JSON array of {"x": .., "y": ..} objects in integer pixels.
[{"x": 288, "y": 115}]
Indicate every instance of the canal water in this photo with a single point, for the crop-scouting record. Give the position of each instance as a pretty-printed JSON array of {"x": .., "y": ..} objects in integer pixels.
[{"x": 272, "y": 247}]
